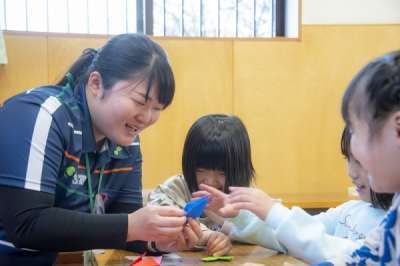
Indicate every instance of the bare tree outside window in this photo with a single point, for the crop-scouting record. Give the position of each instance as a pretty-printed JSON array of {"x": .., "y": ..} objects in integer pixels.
[{"x": 213, "y": 18}]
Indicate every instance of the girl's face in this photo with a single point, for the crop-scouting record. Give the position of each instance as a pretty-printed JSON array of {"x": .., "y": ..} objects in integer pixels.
[
  {"x": 379, "y": 154},
  {"x": 359, "y": 177},
  {"x": 213, "y": 178},
  {"x": 122, "y": 112}
]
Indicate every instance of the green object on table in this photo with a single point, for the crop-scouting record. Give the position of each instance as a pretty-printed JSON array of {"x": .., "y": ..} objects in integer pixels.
[{"x": 215, "y": 258}]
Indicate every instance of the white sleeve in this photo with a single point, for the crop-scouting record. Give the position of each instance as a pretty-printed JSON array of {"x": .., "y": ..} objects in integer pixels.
[
  {"x": 248, "y": 228},
  {"x": 330, "y": 218},
  {"x": 305, "y": 236}
]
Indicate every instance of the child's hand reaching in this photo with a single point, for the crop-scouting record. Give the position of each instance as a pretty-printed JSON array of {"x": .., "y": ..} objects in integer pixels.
[
  {"x": 217, "y": 201},
  {"x": 218, "y": 244},
  {"x": 252, "y": 199}
]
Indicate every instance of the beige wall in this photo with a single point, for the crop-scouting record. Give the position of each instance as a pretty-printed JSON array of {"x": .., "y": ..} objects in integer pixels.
[
  {"x": 287, "y": 93},
  {"x": 351, "y": 11}
]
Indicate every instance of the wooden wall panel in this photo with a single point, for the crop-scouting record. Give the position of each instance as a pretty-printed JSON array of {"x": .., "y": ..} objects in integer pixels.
[
  {"x": 63, "y": 51},
  {"x": 289, "y": 94},
  {"x": 203, "y": 73},
  {"x": 27, "y": 64}
]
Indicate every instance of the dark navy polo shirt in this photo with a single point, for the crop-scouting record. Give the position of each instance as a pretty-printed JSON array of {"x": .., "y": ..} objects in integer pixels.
[{"x": 45, "y": 134}]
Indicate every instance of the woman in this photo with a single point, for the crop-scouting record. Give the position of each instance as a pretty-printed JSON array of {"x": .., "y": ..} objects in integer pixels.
[{"x": 70, "y": 152}]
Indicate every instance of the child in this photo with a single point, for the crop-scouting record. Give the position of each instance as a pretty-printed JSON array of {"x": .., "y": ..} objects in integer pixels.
[
  {"x": 217, "y": 153},
  {"x": 370, "y": 107},
  {"x": 311, "y": 238}
]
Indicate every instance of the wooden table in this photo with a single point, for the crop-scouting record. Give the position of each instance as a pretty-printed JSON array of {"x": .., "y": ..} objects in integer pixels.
[
  {"x": 242, "y": 253},
  {"x": 314, "y": 201}
]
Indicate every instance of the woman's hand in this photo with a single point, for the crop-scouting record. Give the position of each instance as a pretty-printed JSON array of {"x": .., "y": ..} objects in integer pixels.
[
  {"x": 155, "y": 223},
  {"x": 252, "y": 199},
  {"x": 217, "y": 201},
  {"x": 186, "y": 240},
  {"x": 218, "y": 244}
]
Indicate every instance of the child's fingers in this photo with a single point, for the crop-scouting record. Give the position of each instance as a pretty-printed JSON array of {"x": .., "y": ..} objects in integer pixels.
[
  {"x": 243, "y": 206},
  {"x": 200, "y": 193},
  {"x": 224, "y": 251},
  {"x": 214, "y": 240},
  {"x": 180, "y": 243},
  {"x": 236, "y": 195},
  {"x": 221, "y": 244},
  {"x": 190, "y": 237},
  {"x": 210, "y": 240},
  {"x": 229, "y": 211},
  {"x": 233, "y": 188},
  {"x": 195, "y": 226},
  {"x": 243, "y": 190},
  {"x": 212, "y": 191},
  {"x": 240, "y": 198}
]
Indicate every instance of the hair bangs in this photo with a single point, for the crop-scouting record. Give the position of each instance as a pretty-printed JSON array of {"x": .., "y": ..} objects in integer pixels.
[
  {"x": 211, "y": 156},
  {"x": 160, "y": 75}
]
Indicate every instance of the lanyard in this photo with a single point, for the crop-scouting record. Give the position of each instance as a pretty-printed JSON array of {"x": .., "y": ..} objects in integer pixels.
[{"x": 89, "y": 176}]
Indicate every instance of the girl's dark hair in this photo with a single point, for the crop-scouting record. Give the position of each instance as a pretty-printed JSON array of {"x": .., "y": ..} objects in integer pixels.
[
  {"x": 374, "y": 93},
  {"x": 124, "y": 57},
  {"x": 378, "y": 200},
  {"x": 218, "y": 142}
]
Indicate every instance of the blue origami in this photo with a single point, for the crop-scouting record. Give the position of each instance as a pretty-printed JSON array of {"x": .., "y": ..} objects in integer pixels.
[{"x": 194, "y": 209}]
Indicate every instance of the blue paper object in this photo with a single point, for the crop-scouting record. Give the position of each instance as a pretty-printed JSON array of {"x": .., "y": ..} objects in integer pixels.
[{"x": 195, "y": 208}]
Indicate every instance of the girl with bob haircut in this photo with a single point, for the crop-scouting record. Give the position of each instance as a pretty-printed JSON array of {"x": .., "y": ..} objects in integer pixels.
[
  {"x": 70, "y": 155},
  {"x": 216, "y": 152}
]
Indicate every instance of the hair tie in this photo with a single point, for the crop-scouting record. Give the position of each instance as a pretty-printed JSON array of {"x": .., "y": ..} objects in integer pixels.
[{"x": 70, "y": 80}]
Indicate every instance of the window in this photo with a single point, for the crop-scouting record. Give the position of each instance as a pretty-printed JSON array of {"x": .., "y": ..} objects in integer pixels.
[
  {"x": 69, "y": 16},
  {"x": 183, "y": 18},
  {"x": 214, "y": 18}
]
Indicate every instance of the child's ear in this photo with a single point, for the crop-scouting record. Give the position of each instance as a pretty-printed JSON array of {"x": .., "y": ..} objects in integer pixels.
[
  {"x": 95, "y": 84},
  {"x": 396, "y": 120}
]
